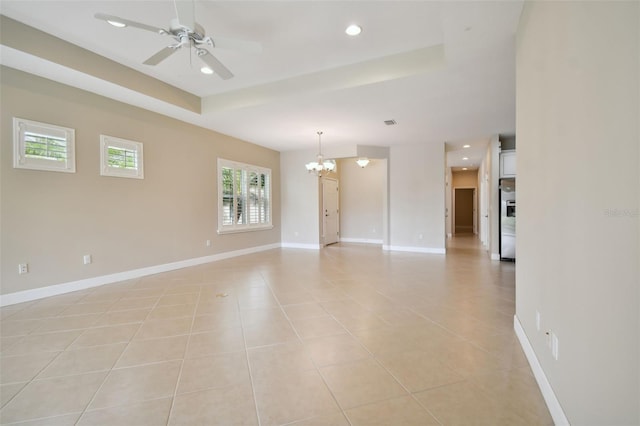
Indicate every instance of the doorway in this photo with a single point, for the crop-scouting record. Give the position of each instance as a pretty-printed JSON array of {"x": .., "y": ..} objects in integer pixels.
[
  {"x": 464, "y": 211},
  {"x": 330, "y": 212}
]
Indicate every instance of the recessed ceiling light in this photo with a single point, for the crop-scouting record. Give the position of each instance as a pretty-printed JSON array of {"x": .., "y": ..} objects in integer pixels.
[
  {"x": 467, "y": 146},
  {"x": 353, "y": 30},
  {"x": 116, "y": 24},
  {"x": 206, "y": 70},
  {"x": 465, "y": 158}
]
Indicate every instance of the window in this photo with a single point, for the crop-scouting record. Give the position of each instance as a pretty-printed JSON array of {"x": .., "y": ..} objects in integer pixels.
[
  {"x": 42, "y": 146},
  {"x": 244, "y": 197},
  {"x": 120, "y": 158}
]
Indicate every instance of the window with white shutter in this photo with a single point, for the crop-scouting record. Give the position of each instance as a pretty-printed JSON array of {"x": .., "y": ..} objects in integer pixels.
[
  {"x": 42, "y": 146},
  {"x": 244, "y": 197},
  {"x": 121, "y": 158}
]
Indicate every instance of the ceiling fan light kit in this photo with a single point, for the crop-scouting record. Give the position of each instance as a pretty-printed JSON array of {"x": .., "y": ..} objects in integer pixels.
[
  {"x": 187, "y": 33},
  {"x": 353, "y": 30}
]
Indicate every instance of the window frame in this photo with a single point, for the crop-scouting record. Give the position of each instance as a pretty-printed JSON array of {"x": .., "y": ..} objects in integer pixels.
[
  {"x": 21, "y": 160},
  {"x": 247, "y": 169},
  {"x": 106, "y": 142}
]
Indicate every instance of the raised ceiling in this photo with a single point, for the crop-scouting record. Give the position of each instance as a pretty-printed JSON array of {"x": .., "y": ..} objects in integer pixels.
[{"x": 445, "y": 71}]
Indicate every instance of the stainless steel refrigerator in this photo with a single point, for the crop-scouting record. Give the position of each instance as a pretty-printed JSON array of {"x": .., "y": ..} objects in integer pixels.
[{"x": 508, "y": 219}]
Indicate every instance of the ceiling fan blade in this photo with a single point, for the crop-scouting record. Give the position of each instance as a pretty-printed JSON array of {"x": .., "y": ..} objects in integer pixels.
[
  {"x": 216, "y": 65},
  {"x": 238, "y": 45},
  {"x": 185, "y": 10},
  {"x": 160, "y": 56},
  {"x": 134, "y": 24}
]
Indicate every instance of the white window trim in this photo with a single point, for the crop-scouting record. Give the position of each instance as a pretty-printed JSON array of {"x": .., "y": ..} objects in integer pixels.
[
  {"x": 229, "y": 229},
  {"x": 20, "y": 159},
  {"x": 107, "y": 170}
]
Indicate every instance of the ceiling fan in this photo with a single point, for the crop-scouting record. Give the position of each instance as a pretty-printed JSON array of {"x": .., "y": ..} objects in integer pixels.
[{"x": 187, "y": 33}]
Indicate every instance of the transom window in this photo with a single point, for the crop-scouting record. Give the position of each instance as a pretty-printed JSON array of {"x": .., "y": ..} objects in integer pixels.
[
  {"x": 120, "y": 157},
  {"x": 42, "y": 146},
  {"x": 244, "y": 197}
]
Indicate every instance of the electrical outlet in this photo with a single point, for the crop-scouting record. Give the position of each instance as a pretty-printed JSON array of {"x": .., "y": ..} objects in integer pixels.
[
  {"x": 86, "y": 259},
  {"x": 23, "y": 268},
  {"x": 537, "y": 320},
  {"x": 208, "y": 243}
]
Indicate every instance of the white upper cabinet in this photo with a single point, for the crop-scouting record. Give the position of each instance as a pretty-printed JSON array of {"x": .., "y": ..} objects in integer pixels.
[{"x": 507, "y": 164}]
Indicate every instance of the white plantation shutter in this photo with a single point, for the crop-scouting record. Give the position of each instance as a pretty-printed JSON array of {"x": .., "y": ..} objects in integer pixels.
[
  {"x": 42, "y": 146},
  {"x": 121, "y": 158},
  {"x": 243, "y": 197}
]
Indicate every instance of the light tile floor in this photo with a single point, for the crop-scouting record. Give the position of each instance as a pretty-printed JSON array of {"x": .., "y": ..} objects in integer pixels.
[{"x": 350, "y": 335}]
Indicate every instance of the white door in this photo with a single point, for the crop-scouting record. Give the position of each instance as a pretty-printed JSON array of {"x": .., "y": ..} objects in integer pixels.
[{"x": 330, "y": 228}]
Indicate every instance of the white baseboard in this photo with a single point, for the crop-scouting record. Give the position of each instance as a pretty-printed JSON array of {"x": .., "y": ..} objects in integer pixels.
[
  {"x": 301, "y": 246},
  {"x": 449, "y": 235},
  {"x": 495, "y": 256},
  {"x": 57, "y": 289},
  {"x": 555, "y": 409},
  {"x": 430, "y": 250},
  {"x": 360, "y": 240}
]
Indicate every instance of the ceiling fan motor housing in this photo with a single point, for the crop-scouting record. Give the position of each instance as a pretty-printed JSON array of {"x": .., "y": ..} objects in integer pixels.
[{"x": 184, "y": 37}]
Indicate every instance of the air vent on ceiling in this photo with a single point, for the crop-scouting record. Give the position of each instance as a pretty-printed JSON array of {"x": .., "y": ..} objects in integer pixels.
[{"x": 390, "y": 122}]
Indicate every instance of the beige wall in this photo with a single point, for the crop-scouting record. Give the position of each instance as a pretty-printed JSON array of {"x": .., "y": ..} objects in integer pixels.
[
  {"x": 415, "y": 186},
  {"x": 578, "y": 199},
  {"x": 417, "y": 198},
  {"x": 50, "y": 220},
  {"x": 362, "y": 199},
  {"x": 300, "y": 200},
  {"x": 465, "y": 179}
]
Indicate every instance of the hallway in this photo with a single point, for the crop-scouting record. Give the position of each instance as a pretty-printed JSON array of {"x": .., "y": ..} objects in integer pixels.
[{"x": 349, "y": 335}]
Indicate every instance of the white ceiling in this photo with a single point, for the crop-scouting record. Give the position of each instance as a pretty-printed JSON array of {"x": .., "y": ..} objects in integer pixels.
[{"x": 461, "y": 89}]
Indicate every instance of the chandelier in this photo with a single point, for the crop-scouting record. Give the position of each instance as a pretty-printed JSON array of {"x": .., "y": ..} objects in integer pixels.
[{"x": 320, "y": 165}]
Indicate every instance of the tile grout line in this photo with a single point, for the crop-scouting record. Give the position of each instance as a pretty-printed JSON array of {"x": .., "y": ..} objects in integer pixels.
[
  {"x": 492, "y": 320},
  {"x": 120, "y": 357},
  {"x": 29, "y": 381},
  {"x": 301, "y": 341},
  {"x": 184, "y": 354},
  {"x": 372, "y": 355},
  {"x": 246, "y": 354},
  {"x": 35, "y": 377}
]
